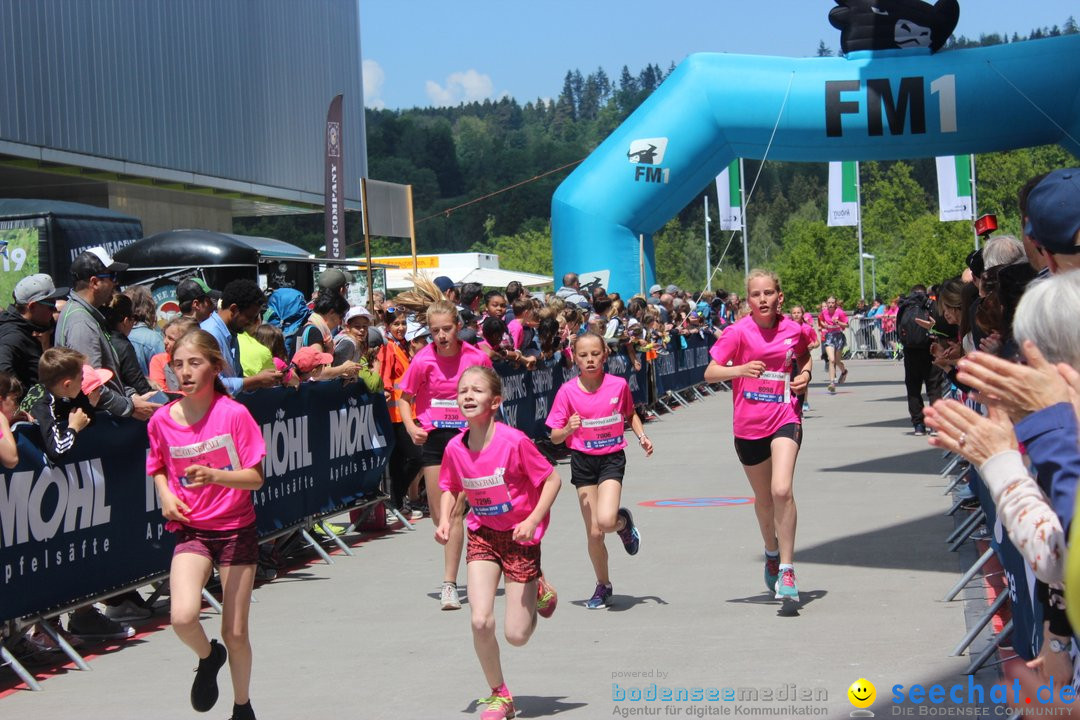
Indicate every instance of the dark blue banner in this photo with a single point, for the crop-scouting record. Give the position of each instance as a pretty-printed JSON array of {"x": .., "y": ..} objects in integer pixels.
[
  {"x": 519, "y": 398},
  {"x": 93, "y": 524},
  {"x": 76, "y": 530},
  {"x": 528, "y": 394},
  {"x": 326, "y": 447},
  {"x": 1027, "y": 613},
  {"x": 684, "y": 363}
]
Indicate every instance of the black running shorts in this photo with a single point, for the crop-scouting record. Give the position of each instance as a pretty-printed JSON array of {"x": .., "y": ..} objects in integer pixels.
[
  {"x": 588, "y": 469},
  {"x": 755, "y": 452}
]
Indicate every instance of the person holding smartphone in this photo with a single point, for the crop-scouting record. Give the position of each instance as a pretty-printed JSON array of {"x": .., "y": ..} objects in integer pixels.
[{"x": 946, "y": 344}]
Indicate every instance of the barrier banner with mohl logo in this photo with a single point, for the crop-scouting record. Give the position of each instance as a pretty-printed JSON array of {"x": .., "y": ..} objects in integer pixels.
[
  {"x": 528, "y": 394},
  {"x": 93, "y": 524},
  {"x": 684, "y": 364},
  {"x": 326, "y": 447}
]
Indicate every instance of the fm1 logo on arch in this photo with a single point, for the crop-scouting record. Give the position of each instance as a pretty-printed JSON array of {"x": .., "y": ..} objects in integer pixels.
[
  {"x": 646, "y": 155},
  {"x": 909, "y": 103}
]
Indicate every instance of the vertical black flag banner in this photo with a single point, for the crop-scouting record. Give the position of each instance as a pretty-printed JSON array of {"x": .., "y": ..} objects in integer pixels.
[{"x": 335, "y": 183}]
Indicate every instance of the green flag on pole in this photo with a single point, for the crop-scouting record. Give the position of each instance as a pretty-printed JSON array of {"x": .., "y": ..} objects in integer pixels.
[
  {"x": 843, "y": 193},
  {"x": 728, "y": 197}
]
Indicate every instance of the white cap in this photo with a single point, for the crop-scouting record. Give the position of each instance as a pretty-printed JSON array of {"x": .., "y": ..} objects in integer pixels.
[
  {"x": 356, "y": 311},
  {"x": 415, "y": 330}
]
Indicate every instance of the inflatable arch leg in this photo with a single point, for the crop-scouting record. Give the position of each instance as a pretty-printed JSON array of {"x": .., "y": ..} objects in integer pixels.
[{"x": 873, "y": 105}]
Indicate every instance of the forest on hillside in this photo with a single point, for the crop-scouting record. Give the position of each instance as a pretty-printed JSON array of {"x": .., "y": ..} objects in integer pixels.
[{"x": 462, "y": 160}]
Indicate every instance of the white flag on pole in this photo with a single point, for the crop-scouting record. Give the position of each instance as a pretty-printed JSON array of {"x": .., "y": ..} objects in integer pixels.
[
  {"x": 954, "y": 188},
  {"x": 843, "y": 193},
  {"x": 727, "y": 193}
]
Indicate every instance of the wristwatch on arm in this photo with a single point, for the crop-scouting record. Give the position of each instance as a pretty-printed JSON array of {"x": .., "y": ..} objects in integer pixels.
[{"x": 1058, "y": 646}]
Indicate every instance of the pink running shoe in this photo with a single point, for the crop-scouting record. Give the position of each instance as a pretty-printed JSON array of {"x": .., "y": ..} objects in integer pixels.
[
  {"x": 500, "y": 705},
  {"x": 546, "y": 598}
]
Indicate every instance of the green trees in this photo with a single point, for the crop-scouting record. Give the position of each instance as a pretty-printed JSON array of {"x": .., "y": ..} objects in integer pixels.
[{"x": 528, "y": 250}]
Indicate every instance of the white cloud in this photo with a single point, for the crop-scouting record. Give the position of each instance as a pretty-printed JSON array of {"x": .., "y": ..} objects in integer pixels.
[
  {"x": 374, "y": 78},
  {"x": 460, "y": 87}
]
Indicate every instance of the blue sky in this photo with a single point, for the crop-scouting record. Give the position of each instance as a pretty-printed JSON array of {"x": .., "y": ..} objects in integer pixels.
[{"x": 437, "y": 52}]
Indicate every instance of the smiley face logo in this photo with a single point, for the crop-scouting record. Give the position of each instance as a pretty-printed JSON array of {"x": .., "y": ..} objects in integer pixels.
[{"x": 862, "y": 693}]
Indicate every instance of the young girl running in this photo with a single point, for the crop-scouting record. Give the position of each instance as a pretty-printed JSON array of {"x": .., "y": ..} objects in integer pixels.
[
  {"x": 590, "y": 412},
  {"x": 510, "y": 488},
  {"x": 206, "y": 459},
  {"x": 431, "y": 384},
  {"x": 832, "y": 321},
  {"x": 800, "y": 317},
  {"x": 768, "y": 359}
]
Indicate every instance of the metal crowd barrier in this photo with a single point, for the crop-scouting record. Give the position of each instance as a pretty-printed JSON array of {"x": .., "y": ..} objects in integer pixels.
[
  {"x": 872, "y": 337},
  {"x": 981, "y": 525}
]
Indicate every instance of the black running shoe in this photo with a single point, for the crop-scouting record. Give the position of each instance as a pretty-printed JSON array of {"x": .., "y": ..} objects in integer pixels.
[{"x": 204, "y": 691}]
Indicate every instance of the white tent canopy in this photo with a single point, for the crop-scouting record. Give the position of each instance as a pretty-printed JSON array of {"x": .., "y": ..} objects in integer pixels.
[{"x": 459, "y": 267}]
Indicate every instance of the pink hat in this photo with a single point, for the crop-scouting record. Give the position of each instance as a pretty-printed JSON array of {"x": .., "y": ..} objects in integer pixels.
[
  {"x": 308, "y": 358},
  {"x": 93, "y": 378}
]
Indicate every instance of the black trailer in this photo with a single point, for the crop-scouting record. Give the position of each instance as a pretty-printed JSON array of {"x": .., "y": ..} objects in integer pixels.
[
  {"x": 163, "y": 260},
  {"x": 217, "y": 258},
  {"x": 46, "y": 235}
]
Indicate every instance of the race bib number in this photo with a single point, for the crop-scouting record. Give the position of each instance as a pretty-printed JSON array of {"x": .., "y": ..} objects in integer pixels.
[
  {"x": 217, "y": 453},
  {"x": 446, "y": 414},
  {"x": 771, "y": 387},
  {"x": 600, "y": 433},
  {"x": 488, "y": 495}
]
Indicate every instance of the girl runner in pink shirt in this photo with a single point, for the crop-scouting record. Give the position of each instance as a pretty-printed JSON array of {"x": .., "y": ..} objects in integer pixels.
[
  {"x": 510, "y": 488},
  {"x": 832, "y": 321},
  {"x": 429, "y": 387},
  {"x": 767, "y": 358},
  {"x": 206, "y": 457},
  {"x": 799, "y": 316},
  {"x": 589, "y": 413}
]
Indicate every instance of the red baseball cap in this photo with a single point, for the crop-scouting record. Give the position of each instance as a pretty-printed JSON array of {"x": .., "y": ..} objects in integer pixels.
[
  {"x": 93, "y": 378},
  {"x": 307, "y": 359}
]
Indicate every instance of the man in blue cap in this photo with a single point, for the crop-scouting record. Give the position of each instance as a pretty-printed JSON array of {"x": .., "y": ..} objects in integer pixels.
[
  {"x": 448, "y": 288},
  {"x": 1054, "y": 219}
]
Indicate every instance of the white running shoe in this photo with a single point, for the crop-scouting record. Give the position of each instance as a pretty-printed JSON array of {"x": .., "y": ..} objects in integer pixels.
[{"x": 449, "y": 598}]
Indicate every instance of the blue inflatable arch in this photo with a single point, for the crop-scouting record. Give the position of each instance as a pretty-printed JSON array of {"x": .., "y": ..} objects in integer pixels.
[{"x": 870, "y": 105}]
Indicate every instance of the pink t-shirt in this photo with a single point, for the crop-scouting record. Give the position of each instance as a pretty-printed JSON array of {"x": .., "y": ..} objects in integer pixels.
[
  {"x": 603, "y": 414},
  {"x": 517, "y": 332},
  {"x": 765, "y": 404},
  {"x": 226, "y": 438},
  {"x": 808, "y": 321},
  {"x": 830, "y": 321},
  {"x": 432, "y": 380},
  {"x": 502, "y": 482}
]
